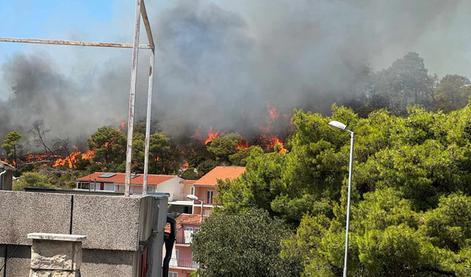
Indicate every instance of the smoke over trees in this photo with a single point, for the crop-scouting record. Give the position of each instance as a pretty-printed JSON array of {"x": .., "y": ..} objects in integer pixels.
[{"x": 220, "y": 64}]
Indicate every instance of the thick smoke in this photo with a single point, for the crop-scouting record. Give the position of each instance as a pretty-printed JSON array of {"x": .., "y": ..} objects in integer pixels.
[{"x": 221, "y": 63}]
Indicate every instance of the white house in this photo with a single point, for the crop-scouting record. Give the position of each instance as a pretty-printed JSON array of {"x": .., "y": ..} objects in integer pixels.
[{"x": 114, "y": 182}]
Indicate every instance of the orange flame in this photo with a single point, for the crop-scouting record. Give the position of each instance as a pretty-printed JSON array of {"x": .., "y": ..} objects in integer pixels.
[
  {"x": 276, "y": 144},
  {"x": 68, "y": 161},
  {"x": 211, "y": 136},
  {"x": 243, "y": 144},
  {"x": 88, "y": 155},
  {"x": 36, "y": 157},
  {"x": 71, "y": 160}
]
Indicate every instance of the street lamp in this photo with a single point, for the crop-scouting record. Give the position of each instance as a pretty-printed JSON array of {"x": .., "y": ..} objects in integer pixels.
[
  {"x": 195, "y": 198},
  {"x": 343, "y": 127}
]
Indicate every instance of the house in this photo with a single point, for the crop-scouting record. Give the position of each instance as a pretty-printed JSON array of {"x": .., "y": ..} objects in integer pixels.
[
  {"x": 205, "y": 188},
  {"x": 204, "y": 192},
  {"x": 6, "y": 176},
  {"x": 182, "y": 263},
  {"x": 114, "y": 182}
]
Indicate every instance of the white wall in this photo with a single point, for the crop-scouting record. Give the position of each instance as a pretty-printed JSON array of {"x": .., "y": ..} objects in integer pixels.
[{"x": 173, "y": 187}]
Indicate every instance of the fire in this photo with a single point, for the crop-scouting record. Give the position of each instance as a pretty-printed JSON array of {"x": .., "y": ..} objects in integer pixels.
[
  {"x": 243, "y": 144},
  {"x": 68, "y": 161},
  {"x": 88, "y": 155},
  {"x": 211, "y": 136},
  {"x": 38, "y": 157},
  {"x": 71, "y": 160},
  {"x": 276, "y": 144}
]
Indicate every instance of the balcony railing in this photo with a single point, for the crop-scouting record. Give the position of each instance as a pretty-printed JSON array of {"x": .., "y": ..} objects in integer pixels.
[
  {"x": 185, "y": 263},
  {"x": 182, "y": 240}
]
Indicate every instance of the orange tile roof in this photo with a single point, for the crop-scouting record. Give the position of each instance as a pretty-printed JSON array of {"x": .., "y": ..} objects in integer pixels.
[
  {"x": 118, "y": 178},
  {"x": 220, "y": 173},
  {"x": 186, "y": 219},
  {"x": 188, "y": 182}
]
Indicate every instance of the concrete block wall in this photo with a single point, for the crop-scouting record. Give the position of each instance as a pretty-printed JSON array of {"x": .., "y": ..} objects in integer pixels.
[{"x": 115, "y": 228}]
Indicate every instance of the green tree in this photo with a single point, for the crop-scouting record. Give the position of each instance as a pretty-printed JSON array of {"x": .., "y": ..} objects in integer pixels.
[
  {"x": 224, "y": 146},
  {"x": 452, "y": 93},
  {"x": 240, "y": 157},
  {"x": 246, "y": 244},
  {"x": 406, "y": 82},
  {"x": 190, "y": 174},
  {"x": 410, "y": 197},
  {"x": 32, "y": 179},
  {"x": 388, "y": 238},
  {"x": 162, "y": 154},
  {"x": 11, "y": 146},
  {"x": 110, "y": 147}
]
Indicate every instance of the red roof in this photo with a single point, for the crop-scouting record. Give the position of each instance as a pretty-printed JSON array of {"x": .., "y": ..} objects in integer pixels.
[
  {"x": 118, "y": 178},
  {"x": 188, "y": 182},
  {"x": 185, "y": 219},
  {"x": 220, "y": 173}
]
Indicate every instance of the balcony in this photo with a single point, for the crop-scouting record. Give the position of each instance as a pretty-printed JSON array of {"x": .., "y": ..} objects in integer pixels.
[
  {"x": 182, "y": 240},
  {"x": 183, "y": 263}
]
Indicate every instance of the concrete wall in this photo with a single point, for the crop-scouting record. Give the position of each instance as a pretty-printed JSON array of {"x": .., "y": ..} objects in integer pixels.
[
  {"x": 115, "y": 227},
  {"x": 26, "y": 212},
  {"x": 17, "y": 258}
]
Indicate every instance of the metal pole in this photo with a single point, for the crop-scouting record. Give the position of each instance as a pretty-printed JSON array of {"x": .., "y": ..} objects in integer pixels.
[
  {"x": 72, "y": 42},
  {"x": 149, "y": 114},
  {"x": 201, "y": 219},
  {"x": 350, "y": 171},
  {"x": 132, "y": 98}
]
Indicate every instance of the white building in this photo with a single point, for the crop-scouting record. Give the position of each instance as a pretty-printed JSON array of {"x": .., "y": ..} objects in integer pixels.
[{"x": 114, "y": 182}]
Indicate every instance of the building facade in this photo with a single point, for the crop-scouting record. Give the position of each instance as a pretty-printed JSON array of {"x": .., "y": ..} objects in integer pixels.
[
  {"x": 114, "y": 182},
  {"x": 204, "y": 193}
]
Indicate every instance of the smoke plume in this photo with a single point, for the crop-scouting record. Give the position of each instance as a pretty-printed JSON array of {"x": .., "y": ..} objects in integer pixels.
[{"x": 220, "y": 63}]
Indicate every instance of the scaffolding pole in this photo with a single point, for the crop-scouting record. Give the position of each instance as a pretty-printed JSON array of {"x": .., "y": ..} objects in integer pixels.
[
  {"x": 148, "y": 121},
  {"x": 132, "y": 97},
  {"x": 72, "y": 42}
]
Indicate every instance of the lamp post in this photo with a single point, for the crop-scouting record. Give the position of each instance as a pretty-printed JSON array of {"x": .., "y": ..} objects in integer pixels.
[
  {"x": 195, "y": 198},
  {"x": 343, "y": 127}
]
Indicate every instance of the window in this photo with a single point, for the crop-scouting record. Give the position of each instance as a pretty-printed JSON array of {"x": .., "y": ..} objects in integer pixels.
[
  {"x": 172, "y": 274},
  {"x": 210, "y": 197},
  {"x": 188, "y": 234},
  {"x": 84, "y": 186}
]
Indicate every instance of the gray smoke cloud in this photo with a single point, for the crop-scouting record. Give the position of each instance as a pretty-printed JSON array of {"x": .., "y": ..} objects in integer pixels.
[{"x": 220, "y": 63}]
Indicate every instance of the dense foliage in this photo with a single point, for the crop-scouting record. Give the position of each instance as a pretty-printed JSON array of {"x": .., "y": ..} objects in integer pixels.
[
  {"x": 245, "y": 244},
  {"x": 411, "y": 203}
]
